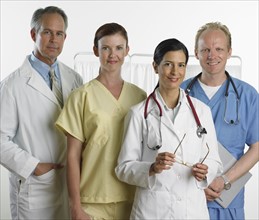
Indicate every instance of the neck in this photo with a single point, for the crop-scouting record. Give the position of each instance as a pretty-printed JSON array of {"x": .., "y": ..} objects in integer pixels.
[
  {"x": 109, "y": 79},
  {"x": 213, "y": 79},
  {"x": 170, "y": 97},
  {"x": 113, "y": 84}
]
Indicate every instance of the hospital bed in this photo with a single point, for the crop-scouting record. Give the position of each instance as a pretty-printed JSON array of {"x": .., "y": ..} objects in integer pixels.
[{"x": 138, "y": 69}]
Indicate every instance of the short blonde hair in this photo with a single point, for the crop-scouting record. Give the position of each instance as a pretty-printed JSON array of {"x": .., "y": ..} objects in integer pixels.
[{"x": 213, "y": 26}]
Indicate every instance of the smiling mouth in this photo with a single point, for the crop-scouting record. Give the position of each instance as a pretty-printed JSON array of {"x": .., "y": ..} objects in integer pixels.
[
  {"x": 173, "y": 79},
  {"x": 213, "y": 63},
  {"x": 112, "y": 61}
]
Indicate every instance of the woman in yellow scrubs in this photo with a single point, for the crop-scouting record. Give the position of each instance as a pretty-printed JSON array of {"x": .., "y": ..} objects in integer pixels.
[{"x": 93, "y": 122}]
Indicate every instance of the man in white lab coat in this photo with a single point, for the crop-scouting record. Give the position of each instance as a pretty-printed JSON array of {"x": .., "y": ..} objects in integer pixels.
[{"x": 32, "y": 149}]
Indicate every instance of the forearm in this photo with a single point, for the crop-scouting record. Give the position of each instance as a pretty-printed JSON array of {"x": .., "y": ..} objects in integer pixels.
[
  {"x": 16, "y": 159},
  {"x": 73, "y": 171},
  {"x": 244, "y": 164},
  {"x": 73, "y": 182}
]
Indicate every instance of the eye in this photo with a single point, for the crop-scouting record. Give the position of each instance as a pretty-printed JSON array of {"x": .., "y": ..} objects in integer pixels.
[
  {"x": 105, "y": 48},
  {"x": 60, "y": 34},
  {"x": 205, "y": 50},
  {"x": 168, "y": 64},
  {"x": 219, "y": 49},
  {"x": 46, "y": 32},
  {"x": 182, "y": 65},
  {"x": 120, "y": 48}
]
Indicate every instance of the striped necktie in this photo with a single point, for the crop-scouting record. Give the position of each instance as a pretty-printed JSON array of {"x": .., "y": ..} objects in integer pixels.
[{"x": 55, "y": 87}]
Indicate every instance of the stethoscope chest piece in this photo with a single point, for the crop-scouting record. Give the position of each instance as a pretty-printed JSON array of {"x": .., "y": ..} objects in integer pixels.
[{"x": 200, "y": 131}]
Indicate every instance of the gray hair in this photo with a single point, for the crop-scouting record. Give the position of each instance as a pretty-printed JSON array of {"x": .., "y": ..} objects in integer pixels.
[{"x": 37, "y": 16}]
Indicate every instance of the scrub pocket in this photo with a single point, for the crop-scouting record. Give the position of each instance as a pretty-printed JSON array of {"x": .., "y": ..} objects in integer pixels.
[{"x": 45, "y": 190}]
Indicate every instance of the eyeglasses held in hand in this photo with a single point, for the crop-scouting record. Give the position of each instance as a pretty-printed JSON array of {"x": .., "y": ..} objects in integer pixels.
[{"x": 190, "y": 165}]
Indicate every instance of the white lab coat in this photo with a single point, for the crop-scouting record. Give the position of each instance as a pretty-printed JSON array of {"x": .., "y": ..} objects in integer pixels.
[
  {"x": 29, "y": 110},
  {"x": 174, "y": 193}
]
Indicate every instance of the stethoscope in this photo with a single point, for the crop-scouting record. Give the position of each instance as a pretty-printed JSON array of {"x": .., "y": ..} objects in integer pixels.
[
  {"x": 200, "y": 130},
  {"x": 229, "y": 80}
]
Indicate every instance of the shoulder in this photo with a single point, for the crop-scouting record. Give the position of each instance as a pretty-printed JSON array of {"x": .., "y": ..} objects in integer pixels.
[
  {"x": 244, "y": 87},
  {"x": 198, "y": 105},
  {"x": 135, "y": 91},
  {"x": 137, "y": 111},
  {"x": 186, "y": 82},
  {"x": 66, "y": 69},
  {"x": 134, "y": 87},
  {"x": 18, "y": 77},
  {"x": 89, "y": 88}
]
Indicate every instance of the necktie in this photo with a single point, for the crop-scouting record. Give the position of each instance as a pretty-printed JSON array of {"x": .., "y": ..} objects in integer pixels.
[{"x": 55, "y": 87}]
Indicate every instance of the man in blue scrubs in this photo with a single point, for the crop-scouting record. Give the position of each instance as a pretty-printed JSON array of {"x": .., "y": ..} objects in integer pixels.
[{"x": 236, "y": 122}]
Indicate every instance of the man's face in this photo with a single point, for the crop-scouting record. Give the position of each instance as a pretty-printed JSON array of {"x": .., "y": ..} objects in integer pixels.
[
  {"x": 213, "y": 51},
  {"x": 49, "y": 39}
]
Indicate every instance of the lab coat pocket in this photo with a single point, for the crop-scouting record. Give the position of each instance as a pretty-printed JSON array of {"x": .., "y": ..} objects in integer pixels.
[
  {"x": 45, "y": 190},
  {"x": 152, "y": 204}
]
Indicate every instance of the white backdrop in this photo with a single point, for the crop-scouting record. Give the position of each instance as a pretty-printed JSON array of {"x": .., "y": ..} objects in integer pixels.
[{"x": 147, "y": 23}]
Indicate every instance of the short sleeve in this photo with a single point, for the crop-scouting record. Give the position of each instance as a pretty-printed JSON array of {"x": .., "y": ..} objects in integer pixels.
[
  {"x": 70, "y": 119},
  {"x": 253, "y": 119}
]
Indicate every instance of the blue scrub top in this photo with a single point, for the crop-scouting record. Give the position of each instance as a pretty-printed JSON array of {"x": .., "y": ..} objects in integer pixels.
[{"x": 232, "y": 137}]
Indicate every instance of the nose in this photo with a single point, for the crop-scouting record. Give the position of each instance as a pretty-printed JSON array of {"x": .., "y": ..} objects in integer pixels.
[
  {"x": 173, "y": 70},
  {"x": 212, "y": 53},
  {"x": 53, "y": 37},
  {"x": 112, "y": 53}
]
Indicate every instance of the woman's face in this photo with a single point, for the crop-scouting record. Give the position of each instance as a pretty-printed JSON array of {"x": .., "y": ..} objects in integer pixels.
[
  {"x": 111, "y": 51},
  {"x": 171, "y": 70}
]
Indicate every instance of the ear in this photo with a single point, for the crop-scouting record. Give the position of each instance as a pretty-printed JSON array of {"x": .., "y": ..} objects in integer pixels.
[
  {"x": 196, "y": 54},
  {"x": 33, "y": 34},
  {"x": 229, "y": 53},
  {"x": 155, "y": 66},
  {"x": 95, "y": 49},
  {"x": 127, "y": 50}
]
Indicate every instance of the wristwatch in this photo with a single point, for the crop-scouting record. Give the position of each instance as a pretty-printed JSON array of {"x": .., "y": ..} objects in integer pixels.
[{"x": 227, "y": 184}]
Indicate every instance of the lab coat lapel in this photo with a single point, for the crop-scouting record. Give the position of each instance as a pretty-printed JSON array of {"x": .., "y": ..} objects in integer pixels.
[
  {"x": 36, "y": 81},
  {"x": 155, "y": 113},
  {"x": 180, "y": 117}
]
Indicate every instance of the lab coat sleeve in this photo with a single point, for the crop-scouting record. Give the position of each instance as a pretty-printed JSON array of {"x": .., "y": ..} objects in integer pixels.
[
  {"x": 14, "y": 158},
  {"x": 131, "y": 169},
  {"x": 213, "y": 160}
]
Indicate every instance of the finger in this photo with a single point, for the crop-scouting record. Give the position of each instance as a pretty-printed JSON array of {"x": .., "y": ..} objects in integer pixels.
[
  {"x": 166, "y": 156},
  {"x": 200, "y": 171},
  {"x": 201, "y": 166},
  {"x": 57, "y": 166}
]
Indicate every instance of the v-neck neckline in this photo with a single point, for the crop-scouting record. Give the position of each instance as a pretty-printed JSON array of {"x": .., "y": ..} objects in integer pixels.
[{"x": 108, "y": 91}]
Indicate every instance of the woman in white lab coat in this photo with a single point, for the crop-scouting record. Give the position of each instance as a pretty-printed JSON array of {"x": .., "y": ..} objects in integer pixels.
[{"x": 163, "y": 153}]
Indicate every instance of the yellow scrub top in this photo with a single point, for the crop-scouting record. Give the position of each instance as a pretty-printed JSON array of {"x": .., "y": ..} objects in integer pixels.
[{"x": 95, "y": 117}]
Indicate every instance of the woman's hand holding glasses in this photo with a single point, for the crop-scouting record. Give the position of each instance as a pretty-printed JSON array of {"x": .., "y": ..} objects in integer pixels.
[
  {"x": 164, "y": 161},
  {"x": 199, "y": 171}
]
